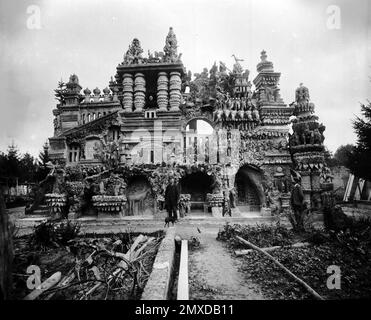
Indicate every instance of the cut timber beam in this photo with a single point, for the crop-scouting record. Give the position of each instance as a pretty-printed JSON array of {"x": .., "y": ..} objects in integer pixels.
[
  {"x": 295, "y": 245},
  {"x": 183, "y": 288}
]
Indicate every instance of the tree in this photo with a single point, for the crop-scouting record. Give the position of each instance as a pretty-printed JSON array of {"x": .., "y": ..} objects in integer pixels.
[
  {"x": 60, "y": 92},
  {"x": 329, "y": 158},
  {"x": 360, "y": 157},
  {"x": 44, "y": 155},
  {"x": 44, "y": 158},
  {"x": 343, "y": 153},
  {"x": 12, "y": 168},
  {"x": 27, "y": 168}
]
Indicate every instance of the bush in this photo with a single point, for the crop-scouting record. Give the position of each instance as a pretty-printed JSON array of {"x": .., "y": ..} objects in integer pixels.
[
  {"x": 263, "y": 235},
  {"x": 50, "y": 234},
  {"x": 44, "y": 235},
  {"x": 67, "y": 232}
]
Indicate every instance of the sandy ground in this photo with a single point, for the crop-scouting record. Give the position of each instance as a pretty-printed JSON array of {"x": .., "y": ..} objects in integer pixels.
[{"x": 213, "y": 271}]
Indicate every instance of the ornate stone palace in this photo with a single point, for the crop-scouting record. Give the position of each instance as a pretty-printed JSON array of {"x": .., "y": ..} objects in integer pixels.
[{"x": 125, "y": 141}]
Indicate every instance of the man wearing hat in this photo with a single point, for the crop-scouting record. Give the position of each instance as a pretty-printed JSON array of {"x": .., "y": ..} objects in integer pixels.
[
  {"x": 297, "y": 202},
  {"x": 171, "y": 199}
]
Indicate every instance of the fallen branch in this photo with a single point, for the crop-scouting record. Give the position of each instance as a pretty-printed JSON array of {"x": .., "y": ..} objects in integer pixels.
[
  {"x": 297, "y": 279},
  {"x": 268, "y": 249}
]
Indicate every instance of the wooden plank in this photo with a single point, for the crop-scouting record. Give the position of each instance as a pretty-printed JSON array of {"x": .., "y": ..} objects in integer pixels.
[
  {"x": 295, "y": 245},
  {"x": 183, "y": 287}
]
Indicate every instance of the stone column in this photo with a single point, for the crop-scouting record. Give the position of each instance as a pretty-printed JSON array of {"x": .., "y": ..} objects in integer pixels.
[
  {"x": 306, "y": 185},
  {"x": 115, "y": 90},
  {"x": 127, "y": 90},
  {"x": 175, "y": 86},
  {"x": 162, "y": 91},
  {"x": 139, "y": 91}
]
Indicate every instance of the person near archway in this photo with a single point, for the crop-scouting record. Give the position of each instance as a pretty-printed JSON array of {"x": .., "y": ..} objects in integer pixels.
[
  {"x": 226, "y": 205},
  {"x": 297, "y": 203},
  {"x": 171, "y": 199}
]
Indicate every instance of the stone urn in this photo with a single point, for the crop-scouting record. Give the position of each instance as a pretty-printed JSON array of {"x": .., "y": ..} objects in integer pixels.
[
  {"x": 110, "y": 205},
  {"x": 57, "y": 204}
]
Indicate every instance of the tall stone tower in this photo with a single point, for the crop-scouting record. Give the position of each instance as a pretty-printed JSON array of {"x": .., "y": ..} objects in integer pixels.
[{"x": 306, "y": 146}]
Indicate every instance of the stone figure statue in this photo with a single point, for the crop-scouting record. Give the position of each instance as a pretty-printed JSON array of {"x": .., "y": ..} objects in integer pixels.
[
  {"x": 255, "y": 113},
  {"x": 237, "y": 68},
  {"x": 230, "y": 104},
  {"x": 311, "y": 137},
  {"x": 238, "y": 104},
  {"x": 222, "y": 69},
  {"x": 302, "y": 94},
  {"x": 269, "y": 94},
  {"x": 243, "y": 103},
  {"x": 249, "y": 114},
  {"x": 296, "y": 139},
  {"x": 134, "y": 53},
  {"x": 306, "y": 135},
  {"x": 317, "y": 137}
]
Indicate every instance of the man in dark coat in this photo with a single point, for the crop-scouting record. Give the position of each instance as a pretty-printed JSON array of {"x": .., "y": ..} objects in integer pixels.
[
  {"x": 171, "y": 199},
  {"x": 297, "y": 203}
]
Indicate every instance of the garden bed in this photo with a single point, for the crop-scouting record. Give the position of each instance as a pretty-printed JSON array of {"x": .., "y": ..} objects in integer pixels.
[
  {"x": 92, "y": 266},
  {"x": 349, "y": 249}
]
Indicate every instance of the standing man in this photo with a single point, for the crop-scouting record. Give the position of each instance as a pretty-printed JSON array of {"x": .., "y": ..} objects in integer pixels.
[
  {"x": 297, "y": 204},
  {"x": 171, "y": 199},
  {"x": 226, "y": 205}
]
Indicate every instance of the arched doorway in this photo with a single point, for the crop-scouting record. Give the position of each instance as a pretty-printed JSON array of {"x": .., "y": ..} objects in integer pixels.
[
  {"x": 198, "y": 185},
  {"x": 198, "y": 143},
  {"x": 250, "y": 194},
  {"x": 139, "y": 196}
]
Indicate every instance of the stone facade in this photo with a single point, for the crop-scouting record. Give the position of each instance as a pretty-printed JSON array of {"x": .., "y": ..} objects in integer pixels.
[{"x": 141, "y": 122}]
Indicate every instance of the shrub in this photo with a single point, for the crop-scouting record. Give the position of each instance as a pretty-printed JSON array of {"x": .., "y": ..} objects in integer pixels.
[
  {"x": 67, "y": 232},
  {"x": 50, "y": 234},
  {"x": 263, "y": 235}
]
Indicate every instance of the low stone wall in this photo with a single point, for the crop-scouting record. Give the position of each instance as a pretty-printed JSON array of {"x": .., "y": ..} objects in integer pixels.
[{"x": 158, "y": 284}]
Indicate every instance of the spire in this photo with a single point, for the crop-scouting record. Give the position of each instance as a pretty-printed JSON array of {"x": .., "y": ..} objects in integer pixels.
[
  {"x": 264, "y": 65},
  {"x": 171, "y": 47}
]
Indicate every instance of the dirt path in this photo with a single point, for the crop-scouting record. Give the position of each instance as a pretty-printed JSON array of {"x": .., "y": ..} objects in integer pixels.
[{"x": 213, "y": 271}]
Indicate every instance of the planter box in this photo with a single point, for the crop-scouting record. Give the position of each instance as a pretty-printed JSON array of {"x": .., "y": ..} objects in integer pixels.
[{"x": 110, "y": 205}]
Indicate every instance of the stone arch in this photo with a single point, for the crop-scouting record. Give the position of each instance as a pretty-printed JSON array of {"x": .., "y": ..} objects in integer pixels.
[
  {"x": 198, "y": 184},
  {"x": 204, "y": 118},
  {"x": 248, "y": 186}
]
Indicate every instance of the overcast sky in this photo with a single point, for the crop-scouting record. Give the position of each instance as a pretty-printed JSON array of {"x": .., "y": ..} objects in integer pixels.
[{"x": 331, "y": 57}]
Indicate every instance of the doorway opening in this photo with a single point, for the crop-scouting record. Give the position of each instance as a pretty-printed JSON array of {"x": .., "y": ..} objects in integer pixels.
[{"x": 198, "y": 185}]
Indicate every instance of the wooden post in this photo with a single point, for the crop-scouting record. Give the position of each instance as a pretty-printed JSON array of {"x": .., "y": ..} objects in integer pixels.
[
  {"x": 6, "y": 252},
  {"x": 183, "y": 289}
]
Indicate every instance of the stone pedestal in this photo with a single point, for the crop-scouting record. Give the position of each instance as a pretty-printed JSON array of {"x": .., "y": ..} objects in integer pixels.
[
  {"x": 56, "y": 204},
  {"x": 217, "y": 212},
  {"x": 109, "y": 205}
]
